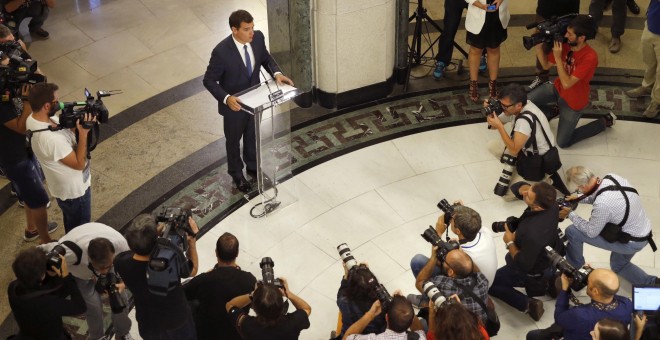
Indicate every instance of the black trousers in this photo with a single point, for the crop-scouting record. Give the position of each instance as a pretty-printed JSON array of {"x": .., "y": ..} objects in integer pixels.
[
  {"x": 240, "y": 125},
  {"x": 619, "y": 13},
  {"x": 453, "y": 13}
]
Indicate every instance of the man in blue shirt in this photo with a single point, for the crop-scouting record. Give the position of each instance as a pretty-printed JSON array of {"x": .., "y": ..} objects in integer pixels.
[
  {"x": 577, "y": 322},
  {"x": 651, "y": 57}
]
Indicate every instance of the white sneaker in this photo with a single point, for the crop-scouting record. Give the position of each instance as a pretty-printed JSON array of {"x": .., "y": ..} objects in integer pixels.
[{"x": 535, "y": 83}]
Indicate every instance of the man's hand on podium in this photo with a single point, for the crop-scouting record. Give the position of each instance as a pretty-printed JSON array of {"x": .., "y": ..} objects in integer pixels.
[
  {"x": 234, "y": 103},
  {"x": 282, "y": 79}
]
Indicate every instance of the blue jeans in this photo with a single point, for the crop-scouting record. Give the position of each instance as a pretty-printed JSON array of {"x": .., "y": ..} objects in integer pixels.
[
  {"x": 184, "y": 332},
  {"x": 546, "y": 97},
  {"x": 453, "y": 13},
  {"x": 620, "y": 258},
  {"x": 76, "y": 211},
  {"x": 418, "y": 262}
]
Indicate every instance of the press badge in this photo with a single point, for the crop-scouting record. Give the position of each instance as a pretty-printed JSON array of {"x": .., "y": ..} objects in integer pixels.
[{"x": 86, "y": 171}]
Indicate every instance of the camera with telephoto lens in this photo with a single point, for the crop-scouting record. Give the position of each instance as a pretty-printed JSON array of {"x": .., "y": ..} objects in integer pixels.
[
  {"x": 511, "y": 222},
  {"x": 267, "y": 272},
  {"x": 446, "y": 208},
  {"x": 73, "y": 112},
  {"x": 549, "y": 31},
  {"x": 19, "y": 71},
  {"x": 494, "y": 107},
  {"x": 381, "y": 293},
  {"x": 502, "y": 185},
  {"x": 53, "y": 258},
  {"x": 580, "y": 276},
  {"x": 431, "y": 236},
  {"x": 434, "y": 294},
  {"x": 107, "y": 283},
  {"x": 346, "y": 256}
]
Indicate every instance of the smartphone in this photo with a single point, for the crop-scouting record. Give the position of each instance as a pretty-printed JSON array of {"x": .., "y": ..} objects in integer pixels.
[{"x": 492, "y": 7}]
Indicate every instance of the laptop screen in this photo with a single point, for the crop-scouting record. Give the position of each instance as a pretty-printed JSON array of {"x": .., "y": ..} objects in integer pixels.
[{"x": 646, "y": 298}]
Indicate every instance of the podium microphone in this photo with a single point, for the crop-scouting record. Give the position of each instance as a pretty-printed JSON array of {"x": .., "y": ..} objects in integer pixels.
[{"x": 277, "y": 94}]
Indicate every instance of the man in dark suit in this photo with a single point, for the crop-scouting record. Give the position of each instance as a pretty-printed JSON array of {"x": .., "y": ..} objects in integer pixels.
[{"x": 235, "y": 66}]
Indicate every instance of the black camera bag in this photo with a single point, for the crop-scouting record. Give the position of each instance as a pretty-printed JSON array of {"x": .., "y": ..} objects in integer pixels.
[
  {"x": 533, "y": 167},
  {"x": 613, "y": 232}
]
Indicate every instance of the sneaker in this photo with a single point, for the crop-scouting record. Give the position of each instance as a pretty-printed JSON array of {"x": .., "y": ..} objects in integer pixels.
[
  {"x": 439, "y": 70},
  {"x": 33, "y": 235},
  {"x": 482, "y": 64},
  {"x": 40, "y": 33},
  {"x": 615, "y": 45},
  {"x": 610, "y": 119},
  {"x": 535, "y": 309},
  {"x": 641, "y": 91},
  {"x": 652, "y": 110},
  {"x": 633, "y": 7},
  {"x": 416, "y": 300}
]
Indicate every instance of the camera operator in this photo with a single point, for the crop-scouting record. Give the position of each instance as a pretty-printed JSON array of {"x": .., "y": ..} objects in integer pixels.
[
  {"x": 215, "y": 288},
  {"x": 63, "y": 158},
  {"x": 527, "y": 119},
  {"x": 400, "y": 316},
  {"x": 576, "y": 64},
  {"x": 355, "y": 297},
  {"x": 458, "y": 274},
  {"x": 618, "y": 223},
  {"x": 547, "y": 9},
  {"x": 39, "y": 299},
  {"x": 272, "y": 320},
  {"x": 577, "y": 322},
  {"x": 17, "y": 10},
  {"x": 90, "y": 251},
  {"x": 476, "y": 242},
  {"x": 158, "y": 316},
  {"x": 526, "y": 263}
]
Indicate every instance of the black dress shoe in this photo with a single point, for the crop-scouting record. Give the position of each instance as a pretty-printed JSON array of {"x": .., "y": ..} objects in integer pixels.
[
  {"x": 242, "y": 184},
  {"x": 633, "y": 7}
]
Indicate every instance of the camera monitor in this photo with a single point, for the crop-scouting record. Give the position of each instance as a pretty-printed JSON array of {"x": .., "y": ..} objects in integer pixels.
[{"x": 646, "y": 298}]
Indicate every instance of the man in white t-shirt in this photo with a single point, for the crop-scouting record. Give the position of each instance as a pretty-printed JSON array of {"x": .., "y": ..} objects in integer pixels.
[
  {"x": 515, "y": 105},
  {"x": 63, "y": 159},
  {"x": 90, "y": 251}
]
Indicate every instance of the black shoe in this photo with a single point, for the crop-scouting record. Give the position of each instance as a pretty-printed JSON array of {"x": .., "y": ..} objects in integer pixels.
[
  {"x": 252, "y": 173},
  {"x": 40, "y": 33},
  {"x": 242, "y": 184},
  {"x": 633, "y": 7}
]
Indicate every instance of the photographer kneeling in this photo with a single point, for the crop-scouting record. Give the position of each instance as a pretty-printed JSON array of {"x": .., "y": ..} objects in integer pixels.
[
  {"x": 531, "y": 143},
  {"x": 272, "y": 320},
  {"x": 39, "y": 301},
  {"x": 355, "y": 297},
  {"x": 577, "y": 322},
  {"x": 400, "y": 316},
  {"x": 526, "y": 238},
  {"x": 160, "y": 315}
]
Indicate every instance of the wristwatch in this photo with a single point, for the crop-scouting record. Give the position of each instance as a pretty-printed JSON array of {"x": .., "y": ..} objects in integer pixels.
[{"x": 508, "y": 244}]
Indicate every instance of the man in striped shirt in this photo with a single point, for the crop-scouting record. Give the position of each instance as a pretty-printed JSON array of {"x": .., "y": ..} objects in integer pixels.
[{"x": 615, "y": 203}]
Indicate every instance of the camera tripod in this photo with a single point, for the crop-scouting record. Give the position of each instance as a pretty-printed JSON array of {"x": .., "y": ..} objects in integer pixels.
[{"x": 415, "y": 54}]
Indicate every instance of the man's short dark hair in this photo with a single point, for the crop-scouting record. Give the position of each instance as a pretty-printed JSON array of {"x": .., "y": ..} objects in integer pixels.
[
  {"x": 268, "y": 304},
  {"x": 4, "y": 31},
  {"x": 30, "y": 267},
  {"x": 100, "y": 251},
  {"x": 141, "y": 235},
  {"x": 359, "y": 289},
  {"x": 226, "y": 248},
  {"x": 467, "y": 221},
  {"x": 40, "y": 94},
  {"x": 515, "y": 92},
  {"x": 237, "y": 17},
  {"x": 400, "y": 315},
  {"x": 583, "y": 25},
  {"x": 546, "y": 195}
]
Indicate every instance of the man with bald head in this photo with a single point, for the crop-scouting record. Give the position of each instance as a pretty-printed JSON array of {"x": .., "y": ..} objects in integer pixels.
[
  {"x": 458, "y": 274},
  {"x": 577, "y": 322}
]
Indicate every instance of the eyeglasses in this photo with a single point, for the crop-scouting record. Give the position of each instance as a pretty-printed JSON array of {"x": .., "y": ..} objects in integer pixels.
[{"x": 507, "y": 106}]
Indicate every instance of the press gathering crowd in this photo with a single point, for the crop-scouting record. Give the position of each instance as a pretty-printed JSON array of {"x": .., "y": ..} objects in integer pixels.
[{"x": 62, "y": 277}]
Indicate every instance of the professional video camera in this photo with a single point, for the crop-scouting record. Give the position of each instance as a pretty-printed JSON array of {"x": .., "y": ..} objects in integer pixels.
[
  {"x": 168, "y": 261},
  {"x": 549, "y": 31},
  {"x": 580, "y": 276},
  {"x": 267, "y": 272},
  {"x": 502, "y": 185},
  {"x": 107, "y": 283},
  {"x": 346, "y": 256},
  {"x": 494, "y": 107},
  {"x": 431, "y": 236},
  {"x": 53, "y": 258},
  {"x": 19, "y": 70},
  {"x": 432, "y": 291},
  {"x": 95, "y": 107},
  {"x": 511, "y": 222}
]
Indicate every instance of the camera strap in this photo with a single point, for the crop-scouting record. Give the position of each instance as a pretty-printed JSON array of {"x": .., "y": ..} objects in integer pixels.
[
  {"x": 622, "y": 189},
  {"x": 532, "y": 139},
  {"x": 75, "y": 249}
]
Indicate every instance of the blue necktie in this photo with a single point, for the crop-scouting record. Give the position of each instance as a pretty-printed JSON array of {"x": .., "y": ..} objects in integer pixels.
[{"x": 248, "y": 62}]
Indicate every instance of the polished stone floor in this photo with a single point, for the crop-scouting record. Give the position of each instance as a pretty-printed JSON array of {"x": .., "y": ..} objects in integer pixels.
[{"x": 149, "y": 47}]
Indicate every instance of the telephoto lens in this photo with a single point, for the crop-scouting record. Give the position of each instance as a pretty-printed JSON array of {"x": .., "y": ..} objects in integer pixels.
[
  {"x": 446, "y": 208},
  {"x": 511, "y": 222},
  {"x": 53, "y": 258},
  {"x": 346, "y": 256},
  {"x": 505, "y": 178},
  {"x": 431, "y": 236},
  {"x": 434, "y": 294},
  {"x": 381, "y": 293},
  {"x": 267, "y": 272},
  {"x": 117, "y": 303},
  {"x": 580, "y": 276}
]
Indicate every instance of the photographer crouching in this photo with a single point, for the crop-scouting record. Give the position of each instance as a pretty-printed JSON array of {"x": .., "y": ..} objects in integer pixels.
[
  {"x": 152, "y": 270},
  {"x": 90, "y": 252},
  {"x": 530, "y": 146},
  {"x": 526, "y": 238},
  {"x": 39, "y": 300}
]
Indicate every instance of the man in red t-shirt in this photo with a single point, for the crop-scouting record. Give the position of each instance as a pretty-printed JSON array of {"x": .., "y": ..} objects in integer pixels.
[{"x": 576, "y": 63}]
